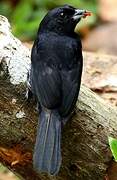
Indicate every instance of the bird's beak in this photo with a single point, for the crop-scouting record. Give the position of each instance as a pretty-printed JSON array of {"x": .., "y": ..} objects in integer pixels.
[{"x": 81, "y": 13}]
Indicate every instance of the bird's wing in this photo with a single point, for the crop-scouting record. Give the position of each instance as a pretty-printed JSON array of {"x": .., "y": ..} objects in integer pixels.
[
  {"x": 71, "y": 81},
  {"x": 46, "y": 82}
]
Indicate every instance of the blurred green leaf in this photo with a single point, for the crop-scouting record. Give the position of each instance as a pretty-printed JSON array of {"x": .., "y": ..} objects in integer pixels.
[
  {"x": 27, "y": 28},
  {"x": 113, "y": 146},
  {"x": 5, "y": 9},
  {"x": 22, "y": 11}
]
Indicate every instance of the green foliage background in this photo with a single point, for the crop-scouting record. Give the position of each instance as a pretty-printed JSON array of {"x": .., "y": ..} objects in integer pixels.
[{"x": 25, "y": 15}]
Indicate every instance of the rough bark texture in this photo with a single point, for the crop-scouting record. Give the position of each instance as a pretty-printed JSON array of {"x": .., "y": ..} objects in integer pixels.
[{"x": 85, "y": 148}]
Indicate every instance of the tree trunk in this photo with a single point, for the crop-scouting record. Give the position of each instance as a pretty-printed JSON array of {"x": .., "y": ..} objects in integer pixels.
[{"x": 85, "y": 148}]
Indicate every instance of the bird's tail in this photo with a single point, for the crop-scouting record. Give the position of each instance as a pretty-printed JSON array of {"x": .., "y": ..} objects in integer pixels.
[{"x": 47, "y": 152}]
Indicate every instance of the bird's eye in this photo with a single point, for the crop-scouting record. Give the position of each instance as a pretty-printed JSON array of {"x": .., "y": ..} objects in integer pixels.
[{"x": 62, "y": 14}]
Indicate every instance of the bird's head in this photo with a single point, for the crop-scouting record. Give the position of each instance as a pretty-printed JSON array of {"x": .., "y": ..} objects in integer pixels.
[{"x": 63, "y": 19}]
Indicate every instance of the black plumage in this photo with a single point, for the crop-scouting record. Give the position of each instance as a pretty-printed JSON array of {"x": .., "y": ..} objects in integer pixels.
[{"x": 55, "y": 77}]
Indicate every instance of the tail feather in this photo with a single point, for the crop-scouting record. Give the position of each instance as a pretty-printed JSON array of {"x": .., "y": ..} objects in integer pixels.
[{"x": 47, "y": 152}]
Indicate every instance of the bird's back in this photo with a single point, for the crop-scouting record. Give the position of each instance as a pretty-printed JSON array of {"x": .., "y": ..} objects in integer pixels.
[
  {"x": 56, "y": 51},
  {"x": 57, "y": 64}
]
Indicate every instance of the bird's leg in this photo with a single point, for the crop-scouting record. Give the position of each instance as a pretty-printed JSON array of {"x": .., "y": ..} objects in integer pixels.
[
  {"x": 29, "y": 90},
  {"x": 29, "y": 94},
  {"x": 38, "y": 108}
]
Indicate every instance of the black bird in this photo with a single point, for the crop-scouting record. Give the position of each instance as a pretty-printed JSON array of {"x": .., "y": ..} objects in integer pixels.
[{"x": 55, "y": 77}]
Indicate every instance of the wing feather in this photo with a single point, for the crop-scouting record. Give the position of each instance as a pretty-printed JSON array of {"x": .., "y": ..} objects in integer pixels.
[
  {"x": 46, "y": 82},
  {"x": 70, "y": 88}
]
